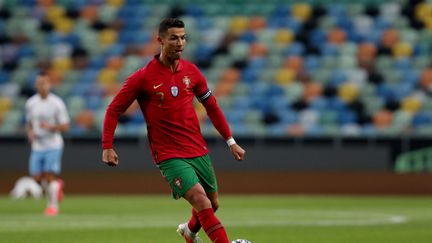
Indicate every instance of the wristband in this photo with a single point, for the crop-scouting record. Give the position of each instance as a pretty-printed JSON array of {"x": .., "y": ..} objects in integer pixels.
[{"x": 230, "y": 142}]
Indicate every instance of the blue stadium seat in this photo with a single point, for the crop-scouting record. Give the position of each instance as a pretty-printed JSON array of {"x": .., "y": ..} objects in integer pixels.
[
  {"x": 94, "y": 102},
  {"x": 194, "y": 10},
  {"x": 116, "y": 49},
  {"x": 4, "y": 76},
  {"x": 294, "y": 49},
  {"x": 392, "y": 79},
  {"x": 311, "y": 63},
  {"x": 281, "y": 11},
  {"x": 319, "y": 104},
  {"x": 287, "y": 116},
  {"x": 250, "y": 75},
  {"x": 422, "y": 118},
  {"x": 347, "y": 117},
  {"x": 248, "y": 37},
  {"x": 29, "y": 3}
]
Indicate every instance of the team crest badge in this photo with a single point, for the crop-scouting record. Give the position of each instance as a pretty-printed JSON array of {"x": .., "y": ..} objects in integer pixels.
[
  {"x": 178, "y": 182},
  {"x": 174, "y": 91},
  {"x": 186, "y": 81}
]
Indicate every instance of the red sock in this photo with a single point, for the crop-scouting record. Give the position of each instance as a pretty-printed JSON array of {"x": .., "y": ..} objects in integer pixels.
[
  {"x": 212, "y": 226},
  {"x": 194, "y": 224}
]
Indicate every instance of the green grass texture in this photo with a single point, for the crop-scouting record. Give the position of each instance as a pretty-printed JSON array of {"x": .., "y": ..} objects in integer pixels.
[{"x": 258, "y": 218}]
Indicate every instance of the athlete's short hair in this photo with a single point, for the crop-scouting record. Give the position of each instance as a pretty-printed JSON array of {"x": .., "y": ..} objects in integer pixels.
[{"x": 169, "y": 23}]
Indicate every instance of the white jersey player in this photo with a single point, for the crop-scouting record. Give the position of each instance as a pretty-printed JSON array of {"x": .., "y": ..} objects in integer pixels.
[{"x": 46, "y": 118}]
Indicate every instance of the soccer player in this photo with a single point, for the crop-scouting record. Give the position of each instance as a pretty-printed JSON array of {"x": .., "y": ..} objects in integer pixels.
[
  {"x": 165, "y": 89},
  {"x": 46, "y": 119}
]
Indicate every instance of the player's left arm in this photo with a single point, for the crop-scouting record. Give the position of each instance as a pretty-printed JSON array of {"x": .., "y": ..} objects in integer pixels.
[
  {"x": 219, "y": 122},
  {"x": 217, "y": 117}
]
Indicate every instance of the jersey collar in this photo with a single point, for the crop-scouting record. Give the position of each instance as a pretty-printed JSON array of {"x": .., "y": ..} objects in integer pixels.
[{"x": 180, "y": 66}]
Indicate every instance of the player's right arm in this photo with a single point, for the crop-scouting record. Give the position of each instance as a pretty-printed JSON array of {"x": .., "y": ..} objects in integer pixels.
[
  {"x": 30, "y": 133},
  {"x": 124, "y": 98},
  {"x": 28, "y": 125}
]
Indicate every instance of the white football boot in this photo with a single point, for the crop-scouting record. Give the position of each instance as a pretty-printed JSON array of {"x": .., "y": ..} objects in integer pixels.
[{"x": 189, "y": 236}]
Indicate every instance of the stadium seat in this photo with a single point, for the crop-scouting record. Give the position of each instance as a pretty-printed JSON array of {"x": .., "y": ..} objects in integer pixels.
[{"x": 267, "y": 56}]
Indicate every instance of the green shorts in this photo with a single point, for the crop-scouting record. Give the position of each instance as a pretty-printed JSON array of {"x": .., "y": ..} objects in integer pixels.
[{"x": 182, "y": 174}]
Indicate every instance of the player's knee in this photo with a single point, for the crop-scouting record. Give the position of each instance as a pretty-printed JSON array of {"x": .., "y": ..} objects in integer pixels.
[{"x": 200, "y": 201}]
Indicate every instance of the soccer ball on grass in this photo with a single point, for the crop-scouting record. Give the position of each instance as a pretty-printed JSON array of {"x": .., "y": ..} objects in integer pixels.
[
  {"x": 240, "y": 241},
  {"x": 26, "y": 187}
]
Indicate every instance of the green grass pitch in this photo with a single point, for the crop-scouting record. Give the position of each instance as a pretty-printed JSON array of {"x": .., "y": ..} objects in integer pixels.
[{"x": 258, "y": 218}]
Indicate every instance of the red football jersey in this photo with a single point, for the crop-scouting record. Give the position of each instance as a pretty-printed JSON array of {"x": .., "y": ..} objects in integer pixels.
[{"x": 166, "y": 100}]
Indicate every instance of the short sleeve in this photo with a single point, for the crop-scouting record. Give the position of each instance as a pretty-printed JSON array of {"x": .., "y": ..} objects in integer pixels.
[{"x": 62, "y": 115}]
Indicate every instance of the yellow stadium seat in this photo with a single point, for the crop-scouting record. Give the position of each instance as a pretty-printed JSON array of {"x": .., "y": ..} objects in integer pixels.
[
  {"x": 411, "y": 104},
  {"x": 54, "y": 13},
  {"x": 108, "y": 37},
  {"x": 428, "y": 22},
  {"x": 5, "y": 104},
  {"x": 301, "y": 11},
  {"x": 285, "y": 76},
  {"x": 348, "y": 92},
  {"x": 64, "y": 25},
  {"x": 107, "y": 76},
  {"x": 115, "y": 3},
  {"x": 422, "y": 11},
  {"x": 239, "y": 24},
  {"x": 62, "y": 64},
  {"x": 283, "y": 36},
  {"x": 402, "y": 49}
]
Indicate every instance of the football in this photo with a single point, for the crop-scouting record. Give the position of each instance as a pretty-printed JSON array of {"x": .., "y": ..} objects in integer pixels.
[
  {"x": 26, "y": 187},
  {"x": 240, "y": 241}
]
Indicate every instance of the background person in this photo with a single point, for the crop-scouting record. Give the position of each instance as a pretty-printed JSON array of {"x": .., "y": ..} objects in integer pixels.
[{"x": 46, "y": 120}]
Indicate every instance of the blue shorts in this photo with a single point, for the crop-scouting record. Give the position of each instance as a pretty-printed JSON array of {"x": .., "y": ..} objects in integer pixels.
[{"x": 45, "y": 161}]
